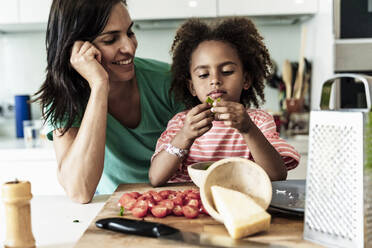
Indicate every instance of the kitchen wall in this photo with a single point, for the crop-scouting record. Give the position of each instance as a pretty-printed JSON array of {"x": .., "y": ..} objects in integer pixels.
[{"x": 22, "y": 59}]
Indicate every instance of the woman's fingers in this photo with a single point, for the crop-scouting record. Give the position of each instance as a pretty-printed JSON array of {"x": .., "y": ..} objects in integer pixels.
[
  {"x": 76, "y": 47},
  {"x": 86, "y": 60},
  {"x": 85, "y": 47},
  {"x": 94, "y": 52}
]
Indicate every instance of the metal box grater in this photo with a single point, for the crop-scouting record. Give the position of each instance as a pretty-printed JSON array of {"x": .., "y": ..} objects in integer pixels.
[{"x": 338, "y": 208}]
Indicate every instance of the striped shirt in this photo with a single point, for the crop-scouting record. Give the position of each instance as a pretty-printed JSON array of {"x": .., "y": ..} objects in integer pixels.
[{"x": 222, "y": 141}]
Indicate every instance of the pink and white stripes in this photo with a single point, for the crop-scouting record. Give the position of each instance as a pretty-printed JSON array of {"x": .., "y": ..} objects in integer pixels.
[{"x": 223, "y": 142}]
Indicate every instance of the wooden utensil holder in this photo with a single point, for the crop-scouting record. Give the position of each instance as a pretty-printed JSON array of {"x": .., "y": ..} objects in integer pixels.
[{"x": 295, "y": 105}]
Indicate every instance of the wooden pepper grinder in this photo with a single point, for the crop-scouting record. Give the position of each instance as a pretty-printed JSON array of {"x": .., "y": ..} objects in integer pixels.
[{"x": 16, "y": 197}]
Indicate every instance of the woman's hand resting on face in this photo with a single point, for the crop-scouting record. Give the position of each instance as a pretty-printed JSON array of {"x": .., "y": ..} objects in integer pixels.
[
  {"x": 86, "y": 60},
  {"x": 233, "y": 114},
  {"x": 198, "y": 121}
]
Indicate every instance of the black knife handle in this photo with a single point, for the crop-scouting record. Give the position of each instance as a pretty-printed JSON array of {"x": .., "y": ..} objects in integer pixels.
[{"x": 136, "y": 227}]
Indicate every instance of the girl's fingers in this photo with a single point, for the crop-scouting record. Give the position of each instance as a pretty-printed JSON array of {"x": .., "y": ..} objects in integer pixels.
[
  {"x": 204, "y": 130},
  {"x": 221, "y": 110},
  {"x": 225, "y": 116},
  {"x": 203, "y": 115},
  {"x": 198, "y": 109},
  {"x": 228, "y": 123},
  {"x": 203, "y": 123}
]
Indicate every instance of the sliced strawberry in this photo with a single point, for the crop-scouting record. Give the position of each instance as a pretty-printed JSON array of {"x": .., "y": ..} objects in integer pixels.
[
  {"x": 159, "y": 211},
  {"x": 190, "y": 211}
]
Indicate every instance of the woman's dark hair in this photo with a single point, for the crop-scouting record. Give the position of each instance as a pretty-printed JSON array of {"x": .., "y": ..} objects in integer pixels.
[
  {"x": 64, "y": 94},
  {"x": 242, "y": 35}
]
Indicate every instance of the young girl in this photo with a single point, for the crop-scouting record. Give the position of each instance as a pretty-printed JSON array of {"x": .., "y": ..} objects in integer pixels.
[{"x": 228, "y": 63}]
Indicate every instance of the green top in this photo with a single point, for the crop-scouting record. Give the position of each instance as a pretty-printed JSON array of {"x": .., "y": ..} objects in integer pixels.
[{"x": 128, "y": 151}]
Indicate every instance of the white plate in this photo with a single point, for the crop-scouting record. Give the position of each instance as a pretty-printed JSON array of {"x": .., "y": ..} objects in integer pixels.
[{"x": 289, "y": 195}]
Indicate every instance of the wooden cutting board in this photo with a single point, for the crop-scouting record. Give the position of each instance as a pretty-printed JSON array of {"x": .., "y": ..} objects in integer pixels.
[{"x": 283, "y": 231}]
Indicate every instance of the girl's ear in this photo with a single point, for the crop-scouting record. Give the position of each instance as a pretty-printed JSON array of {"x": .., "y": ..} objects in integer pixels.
[
  {"x": 191, "y": 88},
  {"x": 247, "y": 81}
]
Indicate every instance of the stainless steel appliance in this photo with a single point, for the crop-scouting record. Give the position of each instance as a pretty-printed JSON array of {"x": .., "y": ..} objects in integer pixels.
[
  {"x": 338, "y": 207},
  {"x": 352, "y": 47}
]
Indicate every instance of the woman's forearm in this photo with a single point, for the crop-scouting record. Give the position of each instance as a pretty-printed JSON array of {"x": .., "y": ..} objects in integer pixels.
[
  {"x": 265, "y": 154},
  {"x": 81, "y": 166}
]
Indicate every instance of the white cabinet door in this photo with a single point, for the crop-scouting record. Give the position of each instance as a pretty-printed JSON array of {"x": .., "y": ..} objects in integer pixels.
[
  {"x": 266, "y": 7},
  {"x": 8, "y": 11},
  {"x": 171, "y": 9},
  {"x": 34, "y": 11}
]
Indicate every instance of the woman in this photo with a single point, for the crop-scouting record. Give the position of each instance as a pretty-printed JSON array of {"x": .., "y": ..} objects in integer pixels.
[{"x": 105, "y": 108}]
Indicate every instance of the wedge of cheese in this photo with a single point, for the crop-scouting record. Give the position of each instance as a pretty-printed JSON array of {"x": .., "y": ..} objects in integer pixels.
[{"x": 242, "y": 216}]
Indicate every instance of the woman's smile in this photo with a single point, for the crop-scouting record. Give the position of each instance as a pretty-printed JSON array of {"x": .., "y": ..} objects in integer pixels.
[{"x": 123, "y": 62}]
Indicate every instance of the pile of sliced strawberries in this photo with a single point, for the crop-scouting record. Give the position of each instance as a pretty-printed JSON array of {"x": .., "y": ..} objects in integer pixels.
[{"x": 162, "y": 203}]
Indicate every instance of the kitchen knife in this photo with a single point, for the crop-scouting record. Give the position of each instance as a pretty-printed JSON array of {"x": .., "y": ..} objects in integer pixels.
[{"x": 162, "y": 231}]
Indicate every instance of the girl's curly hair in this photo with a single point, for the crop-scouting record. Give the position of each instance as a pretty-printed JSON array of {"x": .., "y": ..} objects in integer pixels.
[{"x": 242, "y": 35}]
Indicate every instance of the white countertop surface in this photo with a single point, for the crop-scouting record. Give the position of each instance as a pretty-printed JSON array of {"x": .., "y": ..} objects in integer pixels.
[{"x": 52, "y": 220}]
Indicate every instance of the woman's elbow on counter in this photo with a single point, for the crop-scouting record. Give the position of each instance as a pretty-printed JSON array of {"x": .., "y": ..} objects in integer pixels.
[
  {"x": 77, "y": 194},
  {"x": 80, "y": 197}
]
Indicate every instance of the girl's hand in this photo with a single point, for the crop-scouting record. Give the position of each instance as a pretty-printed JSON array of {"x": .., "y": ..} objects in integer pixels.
[
  {"x": 233, "y": 114},
  {"x": 86, "y": 60},
  {"x": 198, "y": 121}
]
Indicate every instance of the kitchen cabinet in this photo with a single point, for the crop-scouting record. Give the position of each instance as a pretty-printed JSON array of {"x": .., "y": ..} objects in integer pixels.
[
  {"x": 24, "y": 11},
  {"x": 171, "y": 9},
  {"x": 8, "y": 11},
  {"x": 35, "y": 11},
  {"x": 266, "y": 7}
]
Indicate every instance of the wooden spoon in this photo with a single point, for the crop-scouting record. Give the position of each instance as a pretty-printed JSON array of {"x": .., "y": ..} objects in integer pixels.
[
  {"x": 297, "y": 88},
  {"x": 287, "y": 78}
]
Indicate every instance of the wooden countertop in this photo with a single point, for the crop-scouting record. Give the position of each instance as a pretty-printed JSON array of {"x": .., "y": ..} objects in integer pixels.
[{"x": 285, "y": 231}]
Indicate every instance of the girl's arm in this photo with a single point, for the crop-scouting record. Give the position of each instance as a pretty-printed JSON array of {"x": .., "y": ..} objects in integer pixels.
[
  {"x": 265, "y": 154},
  {"x": 235, "y": 115},
  {"x": 164, "y": 165},
  {"x": 80, "y": 151}
]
